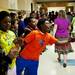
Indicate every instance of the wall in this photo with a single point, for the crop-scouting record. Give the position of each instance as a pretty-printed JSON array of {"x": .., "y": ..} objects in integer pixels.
[
  {"x": 4, "y": 4},
  {"x": 25, "y": 5},
  {"x": 21, "y": 4},
  {"x": 16, "y": 4},
  {"x": 8, "y": 4},
  {"x": 12, "y": 4}
]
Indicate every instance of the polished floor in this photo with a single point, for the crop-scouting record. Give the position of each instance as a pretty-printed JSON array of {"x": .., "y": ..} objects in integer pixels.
[{"x": 49, "y": 66}]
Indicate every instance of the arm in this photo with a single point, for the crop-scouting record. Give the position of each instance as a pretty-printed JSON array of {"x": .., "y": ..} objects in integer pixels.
[{"x": 55, "y": 29}]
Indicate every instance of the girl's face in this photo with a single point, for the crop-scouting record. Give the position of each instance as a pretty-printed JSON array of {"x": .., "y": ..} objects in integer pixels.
[
  {"x": 5, "y": 23},
  {"x": 34, "y": 22}
]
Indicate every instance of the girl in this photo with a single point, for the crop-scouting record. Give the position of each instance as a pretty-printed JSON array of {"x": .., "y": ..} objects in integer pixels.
[{"x": 62, "y": 33}]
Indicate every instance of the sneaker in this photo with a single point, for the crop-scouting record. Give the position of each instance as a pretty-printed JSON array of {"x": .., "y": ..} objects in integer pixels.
[{"x": 64, "y": 65}]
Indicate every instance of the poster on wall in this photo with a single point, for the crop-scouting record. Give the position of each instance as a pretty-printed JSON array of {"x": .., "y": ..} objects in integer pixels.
[{"x": 12, "y": 4}]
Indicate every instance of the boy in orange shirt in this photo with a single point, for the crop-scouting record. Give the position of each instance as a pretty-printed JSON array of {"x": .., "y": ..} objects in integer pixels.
[{"x": 35, "y": 43}]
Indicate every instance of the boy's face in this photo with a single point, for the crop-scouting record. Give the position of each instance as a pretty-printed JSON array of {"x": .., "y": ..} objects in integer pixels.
[{"x": 46, "y": 26}]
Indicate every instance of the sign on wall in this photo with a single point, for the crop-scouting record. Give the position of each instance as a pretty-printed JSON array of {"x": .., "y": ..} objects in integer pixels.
[{"x": 13, "y": 4}]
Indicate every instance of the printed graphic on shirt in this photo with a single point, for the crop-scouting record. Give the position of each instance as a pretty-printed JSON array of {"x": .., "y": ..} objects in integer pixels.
[{"x": 41, "y": 42}]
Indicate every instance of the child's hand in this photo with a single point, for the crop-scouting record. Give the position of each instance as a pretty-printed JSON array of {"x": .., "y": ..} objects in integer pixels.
[
  {"x": 18, "y": 41},
  {"x": 14, "y": 52}
]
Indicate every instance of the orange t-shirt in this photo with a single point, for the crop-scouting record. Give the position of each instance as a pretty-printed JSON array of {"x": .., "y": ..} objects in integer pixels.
[{"x": 36, "y": 43}]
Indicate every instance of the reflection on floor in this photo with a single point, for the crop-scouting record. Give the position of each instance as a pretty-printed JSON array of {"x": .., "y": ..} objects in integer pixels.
[
  {"x": 49, "y": 66},
  {"x": 70, "y": 62}
]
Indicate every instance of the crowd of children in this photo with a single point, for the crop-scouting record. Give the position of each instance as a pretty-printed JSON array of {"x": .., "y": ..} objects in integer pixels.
[{"x": 23, "y": 39}]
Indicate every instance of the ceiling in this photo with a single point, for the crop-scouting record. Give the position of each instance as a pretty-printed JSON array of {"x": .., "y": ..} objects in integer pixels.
[{"x": 55, "y": 0}]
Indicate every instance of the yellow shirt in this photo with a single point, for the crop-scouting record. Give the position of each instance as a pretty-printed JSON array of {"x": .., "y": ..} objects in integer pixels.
[
  {"x": 6, "y": 41},
  {"x": 73, "y": 23}
]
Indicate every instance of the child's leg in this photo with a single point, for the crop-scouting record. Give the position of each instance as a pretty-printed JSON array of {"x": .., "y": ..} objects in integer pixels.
[
  {"x": 59, "y": 57},
  {"x": 3, "y": 65},
  {"x": 3, "y": 69},
  {"x": 65, "y": 60},
  {"x": 26, "y": 71},
  {"x": 33, "y": 68},
  {"x": 19, "y": 66}
]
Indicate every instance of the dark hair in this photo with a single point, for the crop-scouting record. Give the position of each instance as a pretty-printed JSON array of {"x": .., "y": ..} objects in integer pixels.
[
  {"x": 40, "y": 23},
  {"x": 12, "y": 14},
  {"x": 29, "y": 19},
  {"x": 33, "y": 12},
  {"x": 3, "y": 14},
  {"x": 20, "y": 15}
]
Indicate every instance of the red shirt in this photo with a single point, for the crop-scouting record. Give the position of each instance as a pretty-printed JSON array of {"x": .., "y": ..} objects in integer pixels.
[{"x": 36, "y": 43}]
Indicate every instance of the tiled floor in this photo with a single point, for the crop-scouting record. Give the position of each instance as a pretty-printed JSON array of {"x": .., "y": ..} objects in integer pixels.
[{"x": 49, "y": 66}]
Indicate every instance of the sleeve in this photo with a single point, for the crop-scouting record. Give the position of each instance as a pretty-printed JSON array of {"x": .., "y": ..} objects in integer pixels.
[
  {"x": 73, "y": 20},
  {"x": 30, "y": 37},
  {"x": 52, "y": 40}
]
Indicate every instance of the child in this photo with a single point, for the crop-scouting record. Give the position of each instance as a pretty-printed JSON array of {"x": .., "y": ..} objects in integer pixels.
[
  {"x": 6, "y": 42},
  {"x": 62, "y": 32},
  {"x": 34, "y": 43}
]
